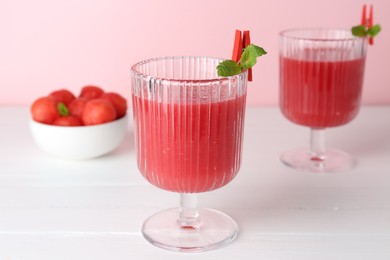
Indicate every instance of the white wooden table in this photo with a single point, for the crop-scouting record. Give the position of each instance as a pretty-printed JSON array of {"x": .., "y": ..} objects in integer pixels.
[{"x": 57, "y": 209}]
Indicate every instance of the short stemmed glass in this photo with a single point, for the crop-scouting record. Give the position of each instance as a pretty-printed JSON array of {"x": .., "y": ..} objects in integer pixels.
[
  {"x": 189, "y": 132},
  {"x": 321, "y": 79}
]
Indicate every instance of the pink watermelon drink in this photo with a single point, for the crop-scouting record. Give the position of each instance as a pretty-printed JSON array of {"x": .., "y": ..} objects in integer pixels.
[
  {"x": 320, "y": 94},
  {"x": 192, "y": 147}
]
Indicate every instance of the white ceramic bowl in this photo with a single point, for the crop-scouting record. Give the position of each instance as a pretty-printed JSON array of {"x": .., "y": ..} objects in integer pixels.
[{"x": 79, "y": 142}]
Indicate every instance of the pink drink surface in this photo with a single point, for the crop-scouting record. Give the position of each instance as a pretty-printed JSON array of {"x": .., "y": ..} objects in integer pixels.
[
  {"x": 320, "y": 94},
  {"x": 189, "y": 148}
]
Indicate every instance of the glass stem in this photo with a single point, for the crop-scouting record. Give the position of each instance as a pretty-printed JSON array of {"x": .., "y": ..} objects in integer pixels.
[
  {"x": 317, "y": 146},
  {"x": 189, "y": 215}
]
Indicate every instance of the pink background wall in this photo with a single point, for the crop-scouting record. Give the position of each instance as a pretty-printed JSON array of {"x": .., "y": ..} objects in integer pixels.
[{"x": 47, "y": 45}]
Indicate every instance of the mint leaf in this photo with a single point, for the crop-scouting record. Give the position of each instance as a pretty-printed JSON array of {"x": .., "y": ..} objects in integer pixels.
[
  {"x": 362, "y": 31},
  {"x": 248, "y": 60},
  {"x": 373, "y": 31},
  {"x": 359, "y": 31},
  {"x": 249, "y": 56},
  {"x": 259, "y": 51},
  {"x": 62, "y": 109},
  {"x": 228, "y": 68}
]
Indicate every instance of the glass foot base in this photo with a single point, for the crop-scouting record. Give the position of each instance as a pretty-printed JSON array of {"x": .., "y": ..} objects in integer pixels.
[
  {"x": 333, "y": 161},
  {"x": 214, "y": 230}
]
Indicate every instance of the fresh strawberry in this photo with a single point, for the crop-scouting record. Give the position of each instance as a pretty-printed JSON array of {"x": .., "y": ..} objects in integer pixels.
[
  {"x": 91, "y": 92},
  {"x": 119, "y": 102},
  {"x": 98, "y": 111},
  {"x": 44, "y": 110}
]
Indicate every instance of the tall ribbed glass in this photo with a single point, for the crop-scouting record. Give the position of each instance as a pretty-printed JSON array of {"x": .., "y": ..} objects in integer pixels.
[
  {"x": 321, "y": 79},
  {"x": 188, "y": 131}
]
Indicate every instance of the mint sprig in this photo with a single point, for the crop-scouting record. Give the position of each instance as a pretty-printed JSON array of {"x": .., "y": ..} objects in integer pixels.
[
  {"x": 363, "y": 31},
  {"x": 62, "y": 109},
  {"x": 248, "y": 59},
  {"x": 228, "y": 68}
]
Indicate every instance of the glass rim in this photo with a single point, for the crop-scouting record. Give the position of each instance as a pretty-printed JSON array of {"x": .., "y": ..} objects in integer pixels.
[
  {"x": 287, "y": 34},
  {"x": 216, "y": 79}
]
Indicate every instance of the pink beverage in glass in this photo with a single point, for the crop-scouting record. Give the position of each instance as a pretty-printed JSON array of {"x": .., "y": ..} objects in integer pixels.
[
  {"x": 188, "y": 125},
  {"x": 321, "y": 80},
  {"x": 321, "y": 93},
  {"x": 191, "y": 147}
]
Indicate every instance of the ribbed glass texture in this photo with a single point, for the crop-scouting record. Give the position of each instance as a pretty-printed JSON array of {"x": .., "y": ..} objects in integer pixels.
[
  {"x": 188, "y": 123},
  {"x": 321, "y": 76}
]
